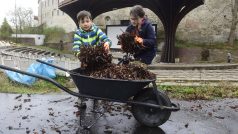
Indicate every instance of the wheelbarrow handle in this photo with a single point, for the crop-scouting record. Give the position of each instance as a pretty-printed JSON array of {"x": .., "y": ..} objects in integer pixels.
[
  {"x": 43, "y": 78},
  {"x": 60, "y": 68}
]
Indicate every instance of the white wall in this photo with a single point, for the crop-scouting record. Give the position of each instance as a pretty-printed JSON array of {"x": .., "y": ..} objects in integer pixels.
[{"x": 39, "y": 39}]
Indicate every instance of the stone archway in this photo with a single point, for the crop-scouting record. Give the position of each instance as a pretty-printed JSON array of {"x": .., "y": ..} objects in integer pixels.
[{"x": 170, "y": 13}]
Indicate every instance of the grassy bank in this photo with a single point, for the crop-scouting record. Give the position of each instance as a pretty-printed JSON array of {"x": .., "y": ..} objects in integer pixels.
[
  {"x": 8, "y": 86},
  {"x": 223, "y": 90},
  {"x": 208, "y": 92}
]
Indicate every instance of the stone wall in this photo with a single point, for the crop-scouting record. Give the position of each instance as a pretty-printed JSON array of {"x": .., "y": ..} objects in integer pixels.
[
  {"x": 115, "y": 17},
  {"x": 207, "y": 23},
  {"x": 194, "y": 55}
]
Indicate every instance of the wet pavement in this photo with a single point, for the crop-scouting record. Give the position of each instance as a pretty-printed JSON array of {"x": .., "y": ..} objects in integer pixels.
[{"x": 55, "y": 114}]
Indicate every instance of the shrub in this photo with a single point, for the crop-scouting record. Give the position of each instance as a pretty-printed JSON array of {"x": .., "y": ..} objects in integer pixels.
[{"x": 54, "y": 34}]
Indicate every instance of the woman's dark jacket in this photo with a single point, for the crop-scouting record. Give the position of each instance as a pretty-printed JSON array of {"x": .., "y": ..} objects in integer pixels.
[{"x": 146, "y": 32}]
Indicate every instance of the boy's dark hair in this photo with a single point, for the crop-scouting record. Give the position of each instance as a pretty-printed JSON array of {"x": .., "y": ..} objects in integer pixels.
[
  {"x": 82, "y": 14},
  {"x": 137, "y": 11}
]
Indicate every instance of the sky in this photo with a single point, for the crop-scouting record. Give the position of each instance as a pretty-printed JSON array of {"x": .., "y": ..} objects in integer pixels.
[{"x": 9, "y": 5}]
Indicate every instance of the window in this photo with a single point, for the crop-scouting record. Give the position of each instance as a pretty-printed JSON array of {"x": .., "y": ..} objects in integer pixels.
[{"x": 58, "y": 12}]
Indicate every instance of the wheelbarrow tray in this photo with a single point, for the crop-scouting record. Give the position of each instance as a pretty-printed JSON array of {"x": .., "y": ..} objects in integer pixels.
[{"x": 107, "y": 88}]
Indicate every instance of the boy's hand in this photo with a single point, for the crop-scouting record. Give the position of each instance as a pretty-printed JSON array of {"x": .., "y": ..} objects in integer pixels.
[
  {"x": 138, "y": 40},
  {"x": 106, "y": 46}
]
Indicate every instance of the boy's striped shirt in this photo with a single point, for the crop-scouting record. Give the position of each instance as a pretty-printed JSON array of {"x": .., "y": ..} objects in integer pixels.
[{"x": 94, "y": 37}]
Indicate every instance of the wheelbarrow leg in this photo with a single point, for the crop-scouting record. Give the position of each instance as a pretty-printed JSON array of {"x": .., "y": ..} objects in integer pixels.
[
  {"x": 83, "y": 114},
  {"x": 93, "y": 123},
  {"x": 81, "y": 103},
  {"x": 95, "y": 103}
]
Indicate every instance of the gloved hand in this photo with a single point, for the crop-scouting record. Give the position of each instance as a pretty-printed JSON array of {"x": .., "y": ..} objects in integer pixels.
[
  {"x": 106, "y": 46},
  {"x": 139, "y": 40},
  {"x": 119, "y": 43},
  {"x": 77, "y": 54}
]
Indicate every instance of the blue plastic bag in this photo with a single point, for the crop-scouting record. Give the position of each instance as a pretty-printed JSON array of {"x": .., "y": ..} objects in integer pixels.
[{"x": 35, "y": 68}]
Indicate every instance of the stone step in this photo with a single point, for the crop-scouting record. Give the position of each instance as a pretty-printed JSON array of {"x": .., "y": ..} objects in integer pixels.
[
  {"x": 34, "y": 51},
  {"x": 196, "y": 83},
  {"x": 41, "y": 52},
  {"x": 13, "y": 49},
  {"x": 22, "y": 49},
  {"x": 181, "y": 66},
  {"x": 196, "y": 75},
  {"x": 25, "y": 51}
]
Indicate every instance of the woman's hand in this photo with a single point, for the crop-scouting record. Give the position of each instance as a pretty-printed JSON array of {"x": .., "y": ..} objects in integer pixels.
[{"x": 139, "y": 40}]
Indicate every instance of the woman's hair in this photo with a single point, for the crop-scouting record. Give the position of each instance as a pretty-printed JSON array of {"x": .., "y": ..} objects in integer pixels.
[
  {"x": 137, "y": 11},
  {"x": 82, "y": 14}
]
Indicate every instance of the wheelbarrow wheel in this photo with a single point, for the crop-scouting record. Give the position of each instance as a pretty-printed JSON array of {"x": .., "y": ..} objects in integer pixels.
[{"x": 147, "y": 116}]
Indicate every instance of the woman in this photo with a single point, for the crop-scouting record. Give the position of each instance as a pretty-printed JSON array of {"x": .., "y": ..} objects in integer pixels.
[{"x": 145, "y": 34}]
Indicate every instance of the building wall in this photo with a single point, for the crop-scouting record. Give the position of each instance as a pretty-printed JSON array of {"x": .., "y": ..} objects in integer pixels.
[
  {"x": 207, "y": 23},
  {"x": 49, "y": 14}
]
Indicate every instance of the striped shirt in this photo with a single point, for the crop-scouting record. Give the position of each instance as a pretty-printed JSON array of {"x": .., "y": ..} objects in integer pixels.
[{"x": 94, "y": 37}]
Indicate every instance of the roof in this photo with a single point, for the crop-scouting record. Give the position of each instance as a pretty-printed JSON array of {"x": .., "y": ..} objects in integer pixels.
[{"x": 160, "y": 7}]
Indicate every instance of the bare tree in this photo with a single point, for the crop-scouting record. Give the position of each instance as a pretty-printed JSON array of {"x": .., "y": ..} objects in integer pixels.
[
  {"x": 234, "y": 22},
  {"x": 21, "y": 18}
]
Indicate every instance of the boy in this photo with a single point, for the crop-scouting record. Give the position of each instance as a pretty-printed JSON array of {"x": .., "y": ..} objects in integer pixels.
[
  {"x": 88, "y": 33},
  {"x": 141, "y": 27}
]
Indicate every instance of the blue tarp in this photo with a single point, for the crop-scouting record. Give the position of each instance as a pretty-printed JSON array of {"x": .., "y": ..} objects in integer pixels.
[{"x": 35, "y": 68}]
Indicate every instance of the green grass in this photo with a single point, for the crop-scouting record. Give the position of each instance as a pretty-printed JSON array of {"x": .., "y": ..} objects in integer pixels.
[
  {"x": 8, "y": 86},
  {"x": 223, "y": 90}
]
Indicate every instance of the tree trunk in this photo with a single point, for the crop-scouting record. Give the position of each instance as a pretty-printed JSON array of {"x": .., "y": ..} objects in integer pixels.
[{"x": 234, "y": 22}]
